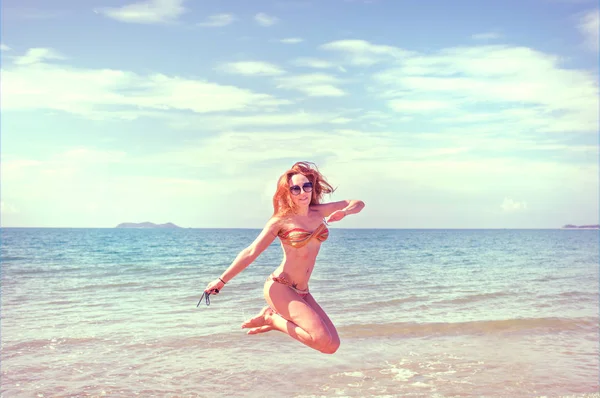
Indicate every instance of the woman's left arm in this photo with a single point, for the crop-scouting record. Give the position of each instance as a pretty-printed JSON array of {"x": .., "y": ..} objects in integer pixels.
[
  {"x": 353, "y": 207},
  {"x": 338, "y": 210}
]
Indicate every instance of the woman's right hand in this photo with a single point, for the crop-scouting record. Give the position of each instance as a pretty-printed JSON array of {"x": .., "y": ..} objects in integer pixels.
[{"x": 214, "y": 287}]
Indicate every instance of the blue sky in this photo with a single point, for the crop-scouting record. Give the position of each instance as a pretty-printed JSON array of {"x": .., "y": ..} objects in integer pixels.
[{"x": 438, "y": 114}]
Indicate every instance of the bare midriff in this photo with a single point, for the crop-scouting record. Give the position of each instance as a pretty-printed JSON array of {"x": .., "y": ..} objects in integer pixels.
[{"x": 298, "y": 263}]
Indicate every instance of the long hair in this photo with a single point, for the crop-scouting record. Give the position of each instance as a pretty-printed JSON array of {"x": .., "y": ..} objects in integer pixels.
[{"x": 282, "y": 200}]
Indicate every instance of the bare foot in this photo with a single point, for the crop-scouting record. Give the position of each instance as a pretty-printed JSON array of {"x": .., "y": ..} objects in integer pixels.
[
  {"x": 262, "y": 329},
  {"x": 259, "y": 320}
]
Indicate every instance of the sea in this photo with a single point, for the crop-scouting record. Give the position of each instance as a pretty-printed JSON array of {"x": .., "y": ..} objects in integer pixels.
[{"x": 420, "y": 313}]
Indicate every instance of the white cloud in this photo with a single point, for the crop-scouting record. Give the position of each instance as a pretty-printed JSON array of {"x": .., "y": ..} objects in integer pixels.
[
  {"x": 292, "y": 40},
  {"x": 341, "y": 120},
  {"x": 15, "y": 170},
  {"x": 428, "y": 180},
  {"x": 252, "y": 68},
  {"x": 68, "y": 189},
  {"x": 589, "y": 27},
  {"x": 218, "y": 20},
  {"x": 243, "y": 150},
  {"x": 4, "y": 47},
  {"x": 515, "y": 83},
  {"x": 510, "y": 206},
  {"x": 378, "y": 115},
  {"x": 105, "y": 93},
  {"x": 363, "y": 53},
  {"x": 418, "y": 106},
  {"x": 312, "y": 63},
  {"x": 90, "y": 155},
  {"x": 489, "y": 102},
  {"x": 6, "y": 208},
  {"x": 263, "y": 120},
  {"x": 486, "y": 36},
  {"x": 151, "y": 11},
  {"x": 313, "y": 85},
  {"x": 265, "y": 20},
  {"x": 36, "y": 55},
  {"x": 390, "y": 156},
  {"x": 485, "y": 61},
  {"x": 534, "y": 118}
]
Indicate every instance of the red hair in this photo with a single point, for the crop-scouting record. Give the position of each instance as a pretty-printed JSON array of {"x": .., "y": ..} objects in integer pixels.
[{"x": 282, "y": 200}]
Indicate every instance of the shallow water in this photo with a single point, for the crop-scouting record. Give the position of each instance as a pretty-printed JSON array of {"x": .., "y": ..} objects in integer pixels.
[{"x": 424, "y": 313}]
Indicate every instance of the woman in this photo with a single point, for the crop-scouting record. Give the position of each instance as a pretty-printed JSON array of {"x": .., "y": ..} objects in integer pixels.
[{"x": 299, "y": 222}]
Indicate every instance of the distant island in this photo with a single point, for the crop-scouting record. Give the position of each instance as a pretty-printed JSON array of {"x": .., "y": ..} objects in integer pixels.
[
  {"x": 146, "y": 225},
  {"x": 571, "y": 226}
]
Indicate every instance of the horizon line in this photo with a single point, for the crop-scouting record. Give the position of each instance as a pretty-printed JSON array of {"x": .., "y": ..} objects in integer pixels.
[{"x": 258, "y": 228}]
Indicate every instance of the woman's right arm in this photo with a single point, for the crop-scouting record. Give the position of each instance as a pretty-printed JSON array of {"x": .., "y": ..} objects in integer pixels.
[{"x": 247, "y": 255}]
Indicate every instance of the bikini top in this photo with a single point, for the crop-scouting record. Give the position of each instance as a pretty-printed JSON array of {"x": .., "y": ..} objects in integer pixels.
[{"x": 298, "y": 237}]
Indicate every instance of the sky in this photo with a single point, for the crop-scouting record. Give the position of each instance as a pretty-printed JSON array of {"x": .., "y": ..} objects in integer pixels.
[{"x": 437, "y": 114}]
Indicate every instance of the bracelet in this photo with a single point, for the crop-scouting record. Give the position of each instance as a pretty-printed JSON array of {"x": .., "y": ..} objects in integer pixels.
[{"x": 222, "y": 281}]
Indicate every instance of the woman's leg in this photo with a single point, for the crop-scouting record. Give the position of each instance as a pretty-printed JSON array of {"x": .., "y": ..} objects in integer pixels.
[
  {"x": 335, "y": 339},
  {"x": 294, "y": 317}
]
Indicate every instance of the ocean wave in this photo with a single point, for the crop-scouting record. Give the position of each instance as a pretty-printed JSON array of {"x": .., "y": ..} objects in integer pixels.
[
  {"x": 579, "y": 295},
  {"x": 413, "y": 329},
  {"x": 474, "y": 297},
  {"x": 42, "y": 270},
  {"x": 570, "y": 296},
  {"x": 4, "y": 259},
  {"x": 391, "y": 303},
  {"x": 31, "y": 345}
]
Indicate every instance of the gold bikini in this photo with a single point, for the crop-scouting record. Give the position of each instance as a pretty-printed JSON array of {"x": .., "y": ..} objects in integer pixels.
[{"x": 297, "y": 238}]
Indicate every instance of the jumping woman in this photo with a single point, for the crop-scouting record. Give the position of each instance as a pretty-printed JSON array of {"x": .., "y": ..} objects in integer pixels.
[{"x": 299, "y": 220}]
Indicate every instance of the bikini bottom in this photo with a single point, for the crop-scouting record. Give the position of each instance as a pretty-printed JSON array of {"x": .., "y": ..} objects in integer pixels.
[{"x": 284, "y": 281}]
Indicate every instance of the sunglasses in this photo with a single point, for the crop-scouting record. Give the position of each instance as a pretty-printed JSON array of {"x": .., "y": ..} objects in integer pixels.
[
  {"x": 207, "y": 299},
  {"x": 306, "y": 187}
]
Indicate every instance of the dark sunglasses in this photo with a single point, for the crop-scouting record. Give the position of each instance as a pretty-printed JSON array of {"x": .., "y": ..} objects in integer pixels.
[
  {"x": 307, "y": 187},
  {"x": 207, "y": 298}
]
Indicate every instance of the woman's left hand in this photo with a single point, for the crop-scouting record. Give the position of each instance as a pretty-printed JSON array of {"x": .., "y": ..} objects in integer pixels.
[{"x": 336, "y": 216}]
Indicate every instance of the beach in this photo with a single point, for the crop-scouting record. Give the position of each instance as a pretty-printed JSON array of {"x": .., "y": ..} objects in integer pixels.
[{"x": 420, "y": 313}]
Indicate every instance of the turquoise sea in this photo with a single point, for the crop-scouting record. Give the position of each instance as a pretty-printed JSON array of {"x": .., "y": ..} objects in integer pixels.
[{"x": 420, "y": 313}]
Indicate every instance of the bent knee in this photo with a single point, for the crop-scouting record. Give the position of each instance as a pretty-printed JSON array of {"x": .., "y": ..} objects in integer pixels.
[
  {"x": 331, "y": 348},
  {"x": 327, "y": 343}
]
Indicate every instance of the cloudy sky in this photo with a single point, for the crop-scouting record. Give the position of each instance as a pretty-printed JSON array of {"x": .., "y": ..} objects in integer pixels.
[{"x": 438, "y": 114}]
